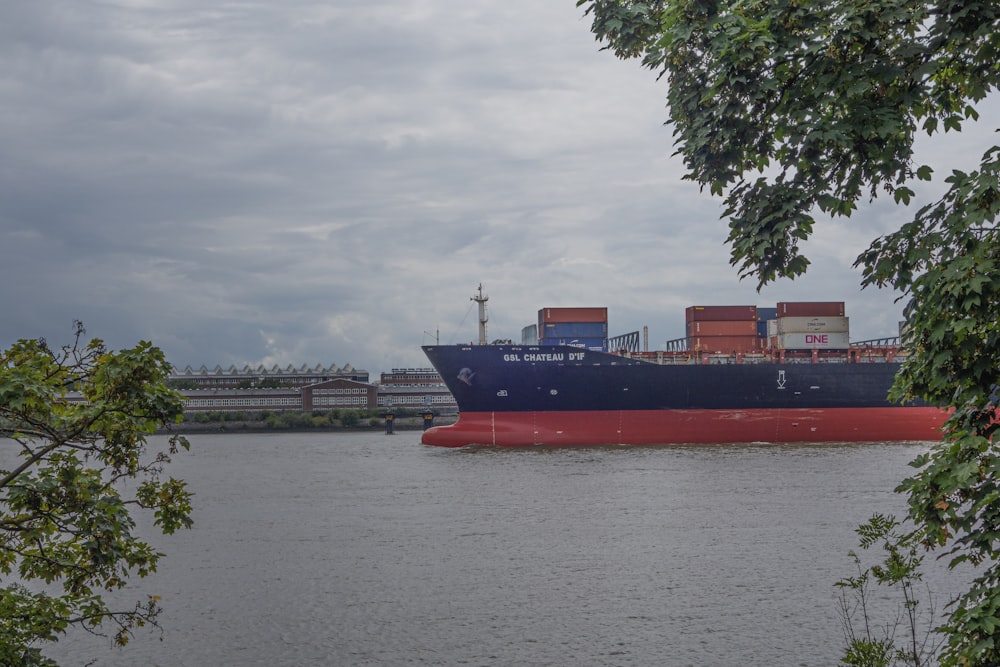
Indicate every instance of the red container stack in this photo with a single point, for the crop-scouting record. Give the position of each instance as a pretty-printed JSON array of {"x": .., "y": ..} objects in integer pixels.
[
  {"x": 722, "y": 328},
  {"x": 725, "y": 329},
  {"x": 721, "y": 313},
  {"x": 811, "y": 309},
  {"x": 570, "y": 315},
  {"x": 793, "y": 325},
  {"x": 724, "y": 344}
]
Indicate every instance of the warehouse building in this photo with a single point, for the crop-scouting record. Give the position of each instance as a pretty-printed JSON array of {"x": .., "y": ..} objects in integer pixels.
[{"x": 307, "y": 389}]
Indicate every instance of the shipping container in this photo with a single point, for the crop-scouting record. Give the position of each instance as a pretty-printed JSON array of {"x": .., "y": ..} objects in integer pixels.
[
  {"x": 726, "y": 344},
  {"x": 546, "y": 315},
  {"x": 765, "y": 314},
  {"x": 811, "y": 341},
  {"x": 575, "y": 330},
  {"x": 813, "y": 324},
  {"x": 810, "y": 309},
  {"x": 599, "y": 344},
  {"x": 721, "y": 313},
  {"x": 529, "y": 335},
  {"x": 772, "y": 328},
  {"x": 715, "y": 328}
]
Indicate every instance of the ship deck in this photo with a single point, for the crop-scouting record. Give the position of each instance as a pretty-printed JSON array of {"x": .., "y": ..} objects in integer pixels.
[{"x": 855, "y": 354}]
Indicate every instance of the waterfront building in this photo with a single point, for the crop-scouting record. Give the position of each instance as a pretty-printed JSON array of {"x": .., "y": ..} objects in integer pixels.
[
  {"x": 416, "y": 388},
  {"x": 307, "y": 389},
  {"x": 249, "y": 377},
  {"x": 201, "y": 400},
  {"x": 339, "y": 393}
]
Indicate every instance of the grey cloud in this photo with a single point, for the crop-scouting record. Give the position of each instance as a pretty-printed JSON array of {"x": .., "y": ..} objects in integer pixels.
[{"x": 312, "y": 182}]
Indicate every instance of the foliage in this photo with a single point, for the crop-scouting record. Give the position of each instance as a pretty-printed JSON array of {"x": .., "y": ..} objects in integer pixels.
[
  {"x": 947, "y": 259},
  {"x": 791, "y": 107},
  {"x": 349, "y": 417},
  {"x": 871, "y": 644},
  {"x": 791, "y": 110},
  {"x": 73, "y": 429},
  {"x": 293, "y": 419}
]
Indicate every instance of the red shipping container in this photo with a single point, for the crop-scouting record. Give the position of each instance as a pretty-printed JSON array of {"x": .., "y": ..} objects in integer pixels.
[
  {"x": 572, "y": 315},
  {"x": 721, "y": 313},
  {"x": 730, "y": 328},
  {"x": 811, "y": 309},
  {"x": 726, "y": 344}
]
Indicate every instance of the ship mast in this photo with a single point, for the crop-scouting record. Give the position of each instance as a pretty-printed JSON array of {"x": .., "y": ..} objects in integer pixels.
[{"x": 481, "y": 299}]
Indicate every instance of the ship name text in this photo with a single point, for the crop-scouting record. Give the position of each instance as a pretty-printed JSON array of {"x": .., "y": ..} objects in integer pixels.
[{"x": 544, "y": 356}]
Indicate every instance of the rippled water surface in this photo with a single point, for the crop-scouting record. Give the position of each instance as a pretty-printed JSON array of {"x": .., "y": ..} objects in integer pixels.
[{"x": 375, "y": 550}]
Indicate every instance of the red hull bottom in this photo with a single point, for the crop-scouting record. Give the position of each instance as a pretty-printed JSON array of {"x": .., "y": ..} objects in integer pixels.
[{"x": 649, "y": 427}]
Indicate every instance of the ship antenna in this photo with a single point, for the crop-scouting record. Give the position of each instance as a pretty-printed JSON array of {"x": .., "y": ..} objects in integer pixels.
[{"x": 481, "y": 299}]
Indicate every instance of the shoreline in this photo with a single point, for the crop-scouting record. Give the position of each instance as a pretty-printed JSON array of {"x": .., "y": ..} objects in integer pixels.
[{"x": 259, "y": 426}]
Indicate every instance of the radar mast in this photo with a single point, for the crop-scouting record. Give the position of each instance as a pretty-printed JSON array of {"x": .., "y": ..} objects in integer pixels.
[{"x": 481, "y": 299}]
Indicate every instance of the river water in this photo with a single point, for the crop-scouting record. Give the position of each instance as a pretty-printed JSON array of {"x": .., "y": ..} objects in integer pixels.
[{"x": 370, "y": 549}]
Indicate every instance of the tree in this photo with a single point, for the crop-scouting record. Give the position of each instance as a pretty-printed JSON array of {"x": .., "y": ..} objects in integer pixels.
[
  {"x": 906, "y": 637},
  {"x": 792, "y": 110},
  {"x": 78, "y": 419}
]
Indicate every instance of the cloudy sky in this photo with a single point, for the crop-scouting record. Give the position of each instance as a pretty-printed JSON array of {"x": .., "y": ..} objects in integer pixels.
[{"x": 302, "y": 182}]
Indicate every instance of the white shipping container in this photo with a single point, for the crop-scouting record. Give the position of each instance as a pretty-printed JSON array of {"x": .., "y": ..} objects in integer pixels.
[
  {"x": 834, "y": 340},
  {"x": 787, "y": 325},
  {"x": 772, "y": 328}
]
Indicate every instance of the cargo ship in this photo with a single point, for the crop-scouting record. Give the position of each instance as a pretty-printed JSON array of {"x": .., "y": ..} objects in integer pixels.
[{"x": 742, "y": 374}]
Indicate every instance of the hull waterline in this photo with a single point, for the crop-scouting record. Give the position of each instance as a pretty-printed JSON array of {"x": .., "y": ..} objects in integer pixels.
[{"x": 654, "y": 427}]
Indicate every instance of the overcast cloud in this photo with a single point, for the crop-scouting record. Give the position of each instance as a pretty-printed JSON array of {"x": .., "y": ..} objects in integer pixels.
[{"x": 305, "y": 182}]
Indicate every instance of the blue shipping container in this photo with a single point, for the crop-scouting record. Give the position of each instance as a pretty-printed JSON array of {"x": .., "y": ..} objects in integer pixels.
[
  {"x": 763, "y": 315},
  {"x": 574, "y": 330},
  {"x": 586, "y": 343}
]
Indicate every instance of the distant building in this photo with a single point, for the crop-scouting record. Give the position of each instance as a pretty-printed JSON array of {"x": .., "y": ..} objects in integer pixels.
[
  {"x": 248, "y": 377},
  {"x": 242, "y": 399},
  {"x": 417, "y": 388},
  {"x": 339, "y": 393},
  {"x": 307, "y": 389}
]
